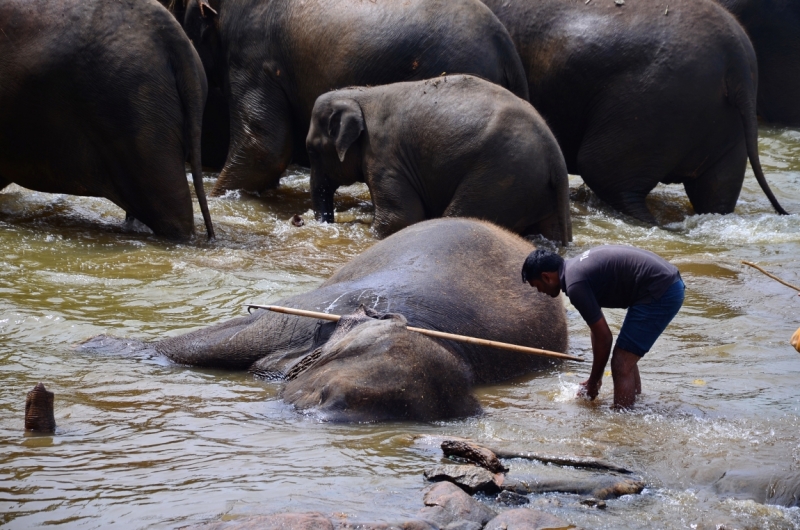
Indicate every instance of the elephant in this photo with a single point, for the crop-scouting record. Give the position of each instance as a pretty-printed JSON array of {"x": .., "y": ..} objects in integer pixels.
[
  {"x": 273, "y": 58},
  {"x": 774, "y": 30},
  {"x": 454, "y": 146},
  {"x": 450, "y": 274},
  {"x": 638, "y": 93},
  {"x": 103, "y": 99}
]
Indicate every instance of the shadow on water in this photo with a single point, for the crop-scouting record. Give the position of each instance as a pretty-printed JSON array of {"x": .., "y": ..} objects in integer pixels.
[{"x": 144, "y": 443}]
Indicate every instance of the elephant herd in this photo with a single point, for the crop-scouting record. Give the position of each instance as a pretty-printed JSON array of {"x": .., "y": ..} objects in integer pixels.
[{"x": 442, "y": 107}]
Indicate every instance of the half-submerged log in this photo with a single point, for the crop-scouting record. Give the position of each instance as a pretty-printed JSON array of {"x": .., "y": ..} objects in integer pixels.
[{"x": 39, "y": 414}]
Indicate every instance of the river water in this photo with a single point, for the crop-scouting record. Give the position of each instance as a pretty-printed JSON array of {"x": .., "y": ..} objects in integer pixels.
[{"x": 142, "y": 443}]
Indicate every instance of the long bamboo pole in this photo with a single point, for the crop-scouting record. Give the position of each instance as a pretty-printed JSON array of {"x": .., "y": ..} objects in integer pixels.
[
  {"x": 787, "y": 284},
  {"x": 428, "y": 332}
]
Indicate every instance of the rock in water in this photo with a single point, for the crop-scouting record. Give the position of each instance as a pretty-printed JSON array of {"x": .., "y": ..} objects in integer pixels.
[
  {"x": 527, "y": 519},
  {"x": 795, "y": 340},
  {"x": 473, "y": 453},
  {"x": 469, "y": 478},
  {"x": 39, "y": 415}
]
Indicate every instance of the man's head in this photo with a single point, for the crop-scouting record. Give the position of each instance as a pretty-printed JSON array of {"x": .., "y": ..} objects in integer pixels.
[{"x": 540, "y": 270}]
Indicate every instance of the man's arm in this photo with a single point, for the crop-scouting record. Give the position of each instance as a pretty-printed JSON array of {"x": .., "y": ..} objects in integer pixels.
[{"x": 601, "y": 350}]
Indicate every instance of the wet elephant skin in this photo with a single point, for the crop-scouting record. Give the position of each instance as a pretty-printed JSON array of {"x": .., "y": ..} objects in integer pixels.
[
  {"x": 103, "y": 99},
  {"x": 454, "y": 146},
  {"x": 774, "y": 29},
  {"x": 454, "y": 275},
  {"x": 273, "y": 58},
  {"x": 638, "y": 94}
]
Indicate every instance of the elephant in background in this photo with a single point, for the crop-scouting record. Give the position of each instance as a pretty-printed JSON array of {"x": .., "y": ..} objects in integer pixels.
[
  {"x": 454, "y": 146},
  {"x": 453, "y": 275},
  {"x": 774, "y": 30},
  {"x": 273, "y": 58},
  {"x": 637, "y": 93},
  {"x": 103, "y": 99}
]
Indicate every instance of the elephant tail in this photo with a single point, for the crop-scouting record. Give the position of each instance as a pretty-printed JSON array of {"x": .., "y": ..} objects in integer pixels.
[
  {"x": 193, "y": 90},
  {"x": 742, "y": 93}
]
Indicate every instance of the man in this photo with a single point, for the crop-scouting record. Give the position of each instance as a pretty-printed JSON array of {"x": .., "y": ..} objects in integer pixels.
[{"x": 613, "y": 276}]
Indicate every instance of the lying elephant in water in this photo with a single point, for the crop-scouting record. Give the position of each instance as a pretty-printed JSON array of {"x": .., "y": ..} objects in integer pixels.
[
  {"x": 454, "y": 146},
  {"x": 452, "y": 275},
  {"x": 103, "y": 99}
]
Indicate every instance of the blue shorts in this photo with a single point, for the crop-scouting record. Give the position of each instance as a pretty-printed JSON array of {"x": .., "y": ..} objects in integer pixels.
[{"x": 645, "y": 322}]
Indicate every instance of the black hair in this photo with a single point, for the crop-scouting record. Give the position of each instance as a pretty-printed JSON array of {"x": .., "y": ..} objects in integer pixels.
[{"x": 540, "y": 261}]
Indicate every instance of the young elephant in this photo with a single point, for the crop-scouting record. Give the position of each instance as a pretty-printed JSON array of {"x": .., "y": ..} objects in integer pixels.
[
  {"x": 103, "y": 99},
  {"x": 452, "y": 275},
  {"x": 454, "y": 146},
  {"x": 273, "y": 58}
]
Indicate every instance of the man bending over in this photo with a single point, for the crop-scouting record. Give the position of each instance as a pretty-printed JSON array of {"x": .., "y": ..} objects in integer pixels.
[{"x": 613, "y": 276}]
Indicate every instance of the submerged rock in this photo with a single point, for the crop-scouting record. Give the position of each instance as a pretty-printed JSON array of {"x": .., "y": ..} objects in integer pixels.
[
  {"x": 527, "y": 519},
  {"x": 277, "y": 521},
  {"x": 447, "y": 506},
  {"x": 510, "y": 498}
]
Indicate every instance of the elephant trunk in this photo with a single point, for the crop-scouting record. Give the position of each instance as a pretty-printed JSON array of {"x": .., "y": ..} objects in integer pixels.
[
  {"x": 39, "y": 416},
  {"x": 322, "y": 190}
]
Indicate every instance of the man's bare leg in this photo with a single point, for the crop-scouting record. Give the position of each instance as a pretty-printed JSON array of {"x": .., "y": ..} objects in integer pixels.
[
  {"x": 638, "y": 380},
  {"x": 625, "y": 374}
]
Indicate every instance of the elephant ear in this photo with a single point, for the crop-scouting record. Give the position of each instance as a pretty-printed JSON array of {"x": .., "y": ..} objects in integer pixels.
[{"x": 345, "y": 125}]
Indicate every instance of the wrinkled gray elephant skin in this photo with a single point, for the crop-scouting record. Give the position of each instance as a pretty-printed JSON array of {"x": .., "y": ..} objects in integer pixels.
[
  {"x": 454, "y": 146},
  {"x": 272, "y": 58},
  {"x": 640, "y": 93},
  {"x": 453, "y": 275},
  {"x": 774, "y": 29},
  {"x": 103, "y": 99}
]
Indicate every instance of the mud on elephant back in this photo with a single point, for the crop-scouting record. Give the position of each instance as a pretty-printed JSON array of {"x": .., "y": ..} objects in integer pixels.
[
  {"x": 639, "y": 93},
  {"x": 453, "y": 275},
  {"x": 103, "y": 99}
]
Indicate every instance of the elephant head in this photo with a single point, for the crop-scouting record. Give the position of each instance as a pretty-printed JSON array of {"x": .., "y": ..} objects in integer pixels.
[
  {"x": 374, "y": 369},
  {"x": 334, "y": 150}
]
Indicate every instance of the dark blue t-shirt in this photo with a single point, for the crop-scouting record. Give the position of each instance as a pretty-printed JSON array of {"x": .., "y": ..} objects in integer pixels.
[{"x": 614, "y": 276}]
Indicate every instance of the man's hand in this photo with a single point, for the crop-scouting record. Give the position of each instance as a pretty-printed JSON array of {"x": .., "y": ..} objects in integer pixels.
[{"x": 590, "y": 388}]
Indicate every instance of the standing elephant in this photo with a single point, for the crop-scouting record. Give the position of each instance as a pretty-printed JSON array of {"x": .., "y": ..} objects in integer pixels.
[
  {"x": 453, "y": 275},
  {"x": 103, "y": 99},
  {"x": 273, "y": 59},
  {"x": 639, "y": 93},
  {"x": 454, "y": 146},
  {"x": 774, "y": 30}
]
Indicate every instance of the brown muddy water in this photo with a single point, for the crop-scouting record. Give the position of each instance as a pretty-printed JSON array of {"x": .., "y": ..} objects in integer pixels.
[{"x": 143, "y": 443}]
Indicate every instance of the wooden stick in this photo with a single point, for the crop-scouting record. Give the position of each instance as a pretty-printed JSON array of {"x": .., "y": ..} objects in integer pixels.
[
  {"x": 428, "y": 332},
  {"x": 787, "y": 284}
]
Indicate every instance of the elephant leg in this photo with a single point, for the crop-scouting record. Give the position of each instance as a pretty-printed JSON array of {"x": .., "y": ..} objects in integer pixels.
[
  {"x": 397, "y": 204},
  {"x": 148, "y": 180},
  {"x": 717, "y": 189},
  {"x": 261, "y": 142},
  {"x": 616, "y": 176}
]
